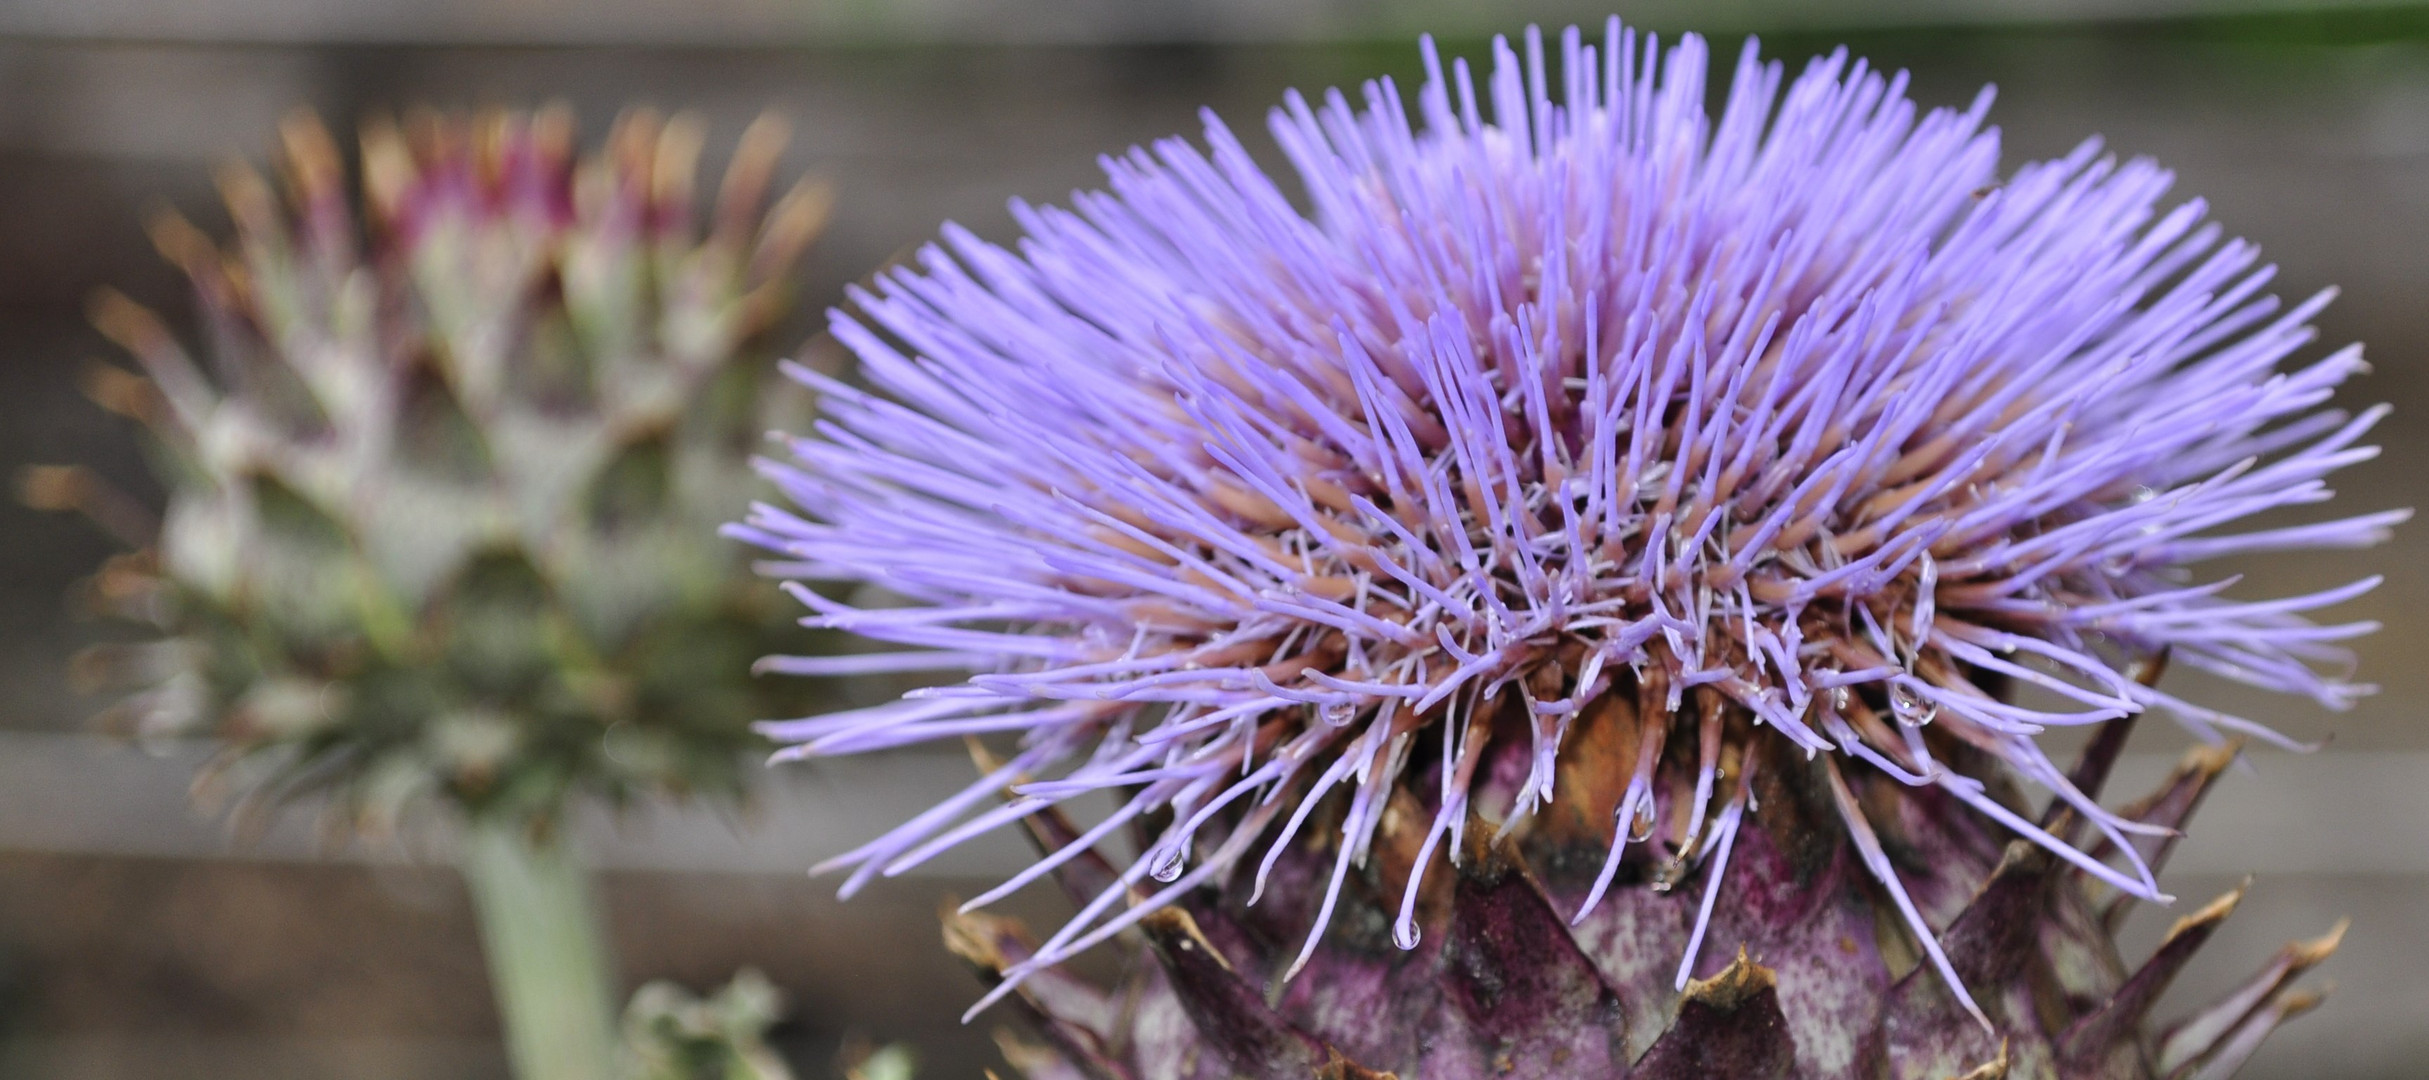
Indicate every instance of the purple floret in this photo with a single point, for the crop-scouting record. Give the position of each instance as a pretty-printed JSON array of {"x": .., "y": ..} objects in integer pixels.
[{"x": 1560, "y": 382}]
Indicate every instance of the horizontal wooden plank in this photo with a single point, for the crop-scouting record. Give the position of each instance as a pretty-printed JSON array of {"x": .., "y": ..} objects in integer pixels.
[
  {"x": 766, "y": 22},
  {"x": 2329, "y": 813}
]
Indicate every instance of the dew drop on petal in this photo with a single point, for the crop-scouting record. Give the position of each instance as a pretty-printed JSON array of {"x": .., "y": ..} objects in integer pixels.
[
  {"x": 1640, "y": 827},
  {"x": 1405, "y": 933},
  {"x": 1168, "y": 864},
  {"x": 1909, "y": 707},
  {"x": 1337, "y": 713}
]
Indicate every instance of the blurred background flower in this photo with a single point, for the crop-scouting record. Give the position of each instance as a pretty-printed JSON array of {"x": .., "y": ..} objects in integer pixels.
[
  {"x": 442, "y": 487},
  {"x": 137, "y": 942}
]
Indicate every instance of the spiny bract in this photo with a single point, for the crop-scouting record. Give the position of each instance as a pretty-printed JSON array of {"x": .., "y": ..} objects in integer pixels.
[
  {"x": 444, "y": 482},
  {"x": 1586, "y": 474}
]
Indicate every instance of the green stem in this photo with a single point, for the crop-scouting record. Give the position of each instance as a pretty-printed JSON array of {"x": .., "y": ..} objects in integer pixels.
[{"x": 547, "y": 954}]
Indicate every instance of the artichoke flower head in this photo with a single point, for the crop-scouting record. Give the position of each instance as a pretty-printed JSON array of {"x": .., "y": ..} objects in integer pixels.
[
  {"x": 445, "y": 467},
  {"x": 1556, "y": 605}
]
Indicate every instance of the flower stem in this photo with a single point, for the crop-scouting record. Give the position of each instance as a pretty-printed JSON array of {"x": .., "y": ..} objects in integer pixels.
[{"x": 547, "y": 955}]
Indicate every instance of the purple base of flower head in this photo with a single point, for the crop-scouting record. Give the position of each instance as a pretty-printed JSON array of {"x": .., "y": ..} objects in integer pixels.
[{"x": 1562, "y": 385}]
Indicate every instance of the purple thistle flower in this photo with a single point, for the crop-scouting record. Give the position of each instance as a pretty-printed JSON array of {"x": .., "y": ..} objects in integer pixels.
[{"x": 1562, "y": 389}]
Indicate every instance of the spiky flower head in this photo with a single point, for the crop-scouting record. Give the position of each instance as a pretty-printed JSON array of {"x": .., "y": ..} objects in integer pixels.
[
  {"x": 1800, "y": 438},
  {"x": 444, "y": 478}
]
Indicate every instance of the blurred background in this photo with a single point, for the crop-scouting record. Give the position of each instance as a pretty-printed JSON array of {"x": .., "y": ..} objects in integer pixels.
[{"x": 139, "y": 940}]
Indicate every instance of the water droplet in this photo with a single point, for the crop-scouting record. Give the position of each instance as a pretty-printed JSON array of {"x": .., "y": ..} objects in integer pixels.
[
  {"x": 1839, "y": 697},
  {"x": 1168, "y": 864},
  {"x": 1405, "y": 934},
  {"x": 1337, "y": 714},
  {"x": 1909, "y": 707},
  {"x": 1640, "y": 827}
]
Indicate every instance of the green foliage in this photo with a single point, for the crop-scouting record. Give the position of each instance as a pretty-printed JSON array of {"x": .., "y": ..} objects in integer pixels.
[{"x": 671, "y": 1035}]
